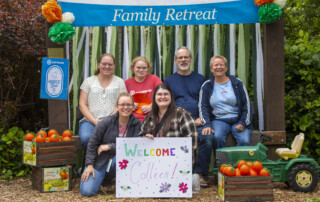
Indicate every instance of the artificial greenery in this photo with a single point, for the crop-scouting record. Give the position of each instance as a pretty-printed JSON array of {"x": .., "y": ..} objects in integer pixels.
[{"x": 11, "y": 154}]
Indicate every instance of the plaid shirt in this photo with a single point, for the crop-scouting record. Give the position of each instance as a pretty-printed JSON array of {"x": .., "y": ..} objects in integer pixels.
[{"x": 182, "y": 125}]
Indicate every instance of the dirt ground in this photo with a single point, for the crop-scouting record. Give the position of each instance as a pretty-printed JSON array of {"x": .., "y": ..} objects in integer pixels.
[{"x": 21, "y": 190}]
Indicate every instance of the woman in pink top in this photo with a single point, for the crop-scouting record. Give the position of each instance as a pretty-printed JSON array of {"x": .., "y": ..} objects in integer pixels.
[{"x": 141, "y": 86}]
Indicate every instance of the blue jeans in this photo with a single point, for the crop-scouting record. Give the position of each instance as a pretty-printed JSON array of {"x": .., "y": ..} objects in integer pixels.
[
  {"x": 217, "y": 140},
  {"x": 91, "y": 187},
  {"x": 85, "y": 131},
  {"x": 204, "y": 152}
]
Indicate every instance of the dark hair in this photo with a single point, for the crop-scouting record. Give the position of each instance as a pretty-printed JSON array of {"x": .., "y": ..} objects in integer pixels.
[
  {"x": 170, "y": 113},
  {"x": 97, "y": 71}
]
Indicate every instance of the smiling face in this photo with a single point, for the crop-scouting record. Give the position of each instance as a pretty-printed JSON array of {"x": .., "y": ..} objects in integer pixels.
[
  {"x": 106, "y": 66},
  {"x": 163, "y": 98},
  {"x": 140, "y": 70},
  {"x": 218, "y": 67},
  {"x": 125, "y": 106},
  {"x": 183, "y": 59}
]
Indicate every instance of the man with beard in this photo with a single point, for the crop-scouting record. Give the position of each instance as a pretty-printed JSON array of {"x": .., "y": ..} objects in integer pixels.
[{"x": 185, "y": 85}]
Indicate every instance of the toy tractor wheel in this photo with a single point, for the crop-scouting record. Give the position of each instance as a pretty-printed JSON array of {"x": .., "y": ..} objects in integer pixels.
[{"x": 303, "y": 177}]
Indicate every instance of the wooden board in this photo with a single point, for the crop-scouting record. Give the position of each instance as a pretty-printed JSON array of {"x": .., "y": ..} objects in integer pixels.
[
  {"x": 50, "y": 154},
  {"x": 49, "y": 179},
  {"x": 245, "y": 188}
]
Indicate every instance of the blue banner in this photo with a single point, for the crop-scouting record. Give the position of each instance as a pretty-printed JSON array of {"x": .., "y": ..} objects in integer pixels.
[
  {"x": 54, "y": 78},
  {"x": 160, "y": 12}
]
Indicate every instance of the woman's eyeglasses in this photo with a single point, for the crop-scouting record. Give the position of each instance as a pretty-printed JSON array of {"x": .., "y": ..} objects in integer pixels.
[{"x": 125, "y": 105}]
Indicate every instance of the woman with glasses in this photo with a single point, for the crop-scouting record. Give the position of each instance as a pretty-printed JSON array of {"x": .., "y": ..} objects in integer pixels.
[
  {"x": 141, "y": 86},
  {"x": 102, "y": 145},
  {"x": 224, "y": 108},
  {"x": 168, "y": 120},
  {"x": 98, "y": 96}
]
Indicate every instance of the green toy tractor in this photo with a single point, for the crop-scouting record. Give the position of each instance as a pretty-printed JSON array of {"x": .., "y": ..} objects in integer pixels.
[{"x": 296, "y": 170}]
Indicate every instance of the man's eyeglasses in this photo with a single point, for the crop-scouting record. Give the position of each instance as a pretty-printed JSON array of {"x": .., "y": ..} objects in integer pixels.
[
  {"x": 183, "y": 57},
  {"x": 107, "y": 64}
]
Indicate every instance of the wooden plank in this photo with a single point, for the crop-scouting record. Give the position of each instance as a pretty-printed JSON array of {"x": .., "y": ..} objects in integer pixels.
[
  {"x": 251, "y": 198},
  {"x": 278, "y": 137},
  {"x": 273, "y": 58},
  {"x": 55, "y": 162},
  {"x": 76, "y": 138},
  {"x": 248, "y": 186},
  {"x": 66, "y": 149},
  {"x": 248, "y": 179},
  {"x": 249, "y": 192},
  {"x": 56, "y": 144},
  {"x": 69, "y": 155}
]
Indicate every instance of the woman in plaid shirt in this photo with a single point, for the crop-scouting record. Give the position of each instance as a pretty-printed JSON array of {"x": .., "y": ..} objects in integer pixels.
[{"x": 168, "y": 120}]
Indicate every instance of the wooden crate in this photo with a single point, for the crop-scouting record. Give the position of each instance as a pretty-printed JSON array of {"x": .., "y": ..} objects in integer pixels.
[
  {"x": 49, "y": 154},
  {"x": 52, "y": 179},
  {"x": 245, "y": 188}
]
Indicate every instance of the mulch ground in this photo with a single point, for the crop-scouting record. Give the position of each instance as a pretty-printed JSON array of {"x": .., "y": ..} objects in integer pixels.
[{"x": 21, "y": 190}]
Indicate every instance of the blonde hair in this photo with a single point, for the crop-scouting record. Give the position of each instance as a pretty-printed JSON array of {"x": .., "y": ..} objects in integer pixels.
[
  {"x": 97, "y": 71},
  {"x": 140, "y": 58},
  {"x": 124, "y": 94},
  {"x": 219, "y": 57}
]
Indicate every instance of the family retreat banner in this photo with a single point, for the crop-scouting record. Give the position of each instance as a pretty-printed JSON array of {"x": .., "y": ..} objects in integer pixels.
[
  {"x": 160, "y": 12},
  {"x": 154, "y": 168}
]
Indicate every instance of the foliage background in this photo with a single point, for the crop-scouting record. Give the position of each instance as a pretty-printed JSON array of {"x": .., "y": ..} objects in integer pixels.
[{"x": 22, "y": 45}]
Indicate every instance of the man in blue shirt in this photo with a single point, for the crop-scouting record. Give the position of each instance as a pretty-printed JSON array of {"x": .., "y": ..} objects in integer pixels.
[{"x": 185, "y": 85}]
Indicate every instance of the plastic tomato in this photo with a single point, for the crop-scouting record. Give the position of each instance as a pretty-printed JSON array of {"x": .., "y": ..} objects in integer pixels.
[
  {"x": 54, "y": 138},
  {"x": 52, "y": 132},
  {"x": 230, "y": 171},
  {"x": 252, "y": 172},
  {"x": 29, "y": 136},
  {"x": 40, "y": 138},
  {"x": 249, "y": 163},
  {"x": 238, "y": 173},
  {"x": 240, "y": 163},
  {"x": 66, "y": 138},
  {"x": 67, "y": 133},
  {"x": 43, "y": 133},
  {"x": 264, "y": 172},
  {"x": 245, "y": 170},
  {"x": 257, "y": 166}
]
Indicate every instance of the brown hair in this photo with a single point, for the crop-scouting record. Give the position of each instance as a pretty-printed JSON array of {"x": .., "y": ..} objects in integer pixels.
[
  {"x": 137, "y": 59},
  {"x": 124, "y": 94},
  {"x": 97, "y": 71},
  {"x": 219, "y": 57}
]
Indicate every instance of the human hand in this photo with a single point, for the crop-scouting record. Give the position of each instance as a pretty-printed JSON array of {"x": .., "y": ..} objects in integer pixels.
[
  {"x": 103, "y": 147},
  {"x": 96, "y": 121},
  {"x": 87, "y": 172},
  {"x": 146, "y": 109},
  {"x": 240, "y": 127},
  {"x": 149, "y": 136},
  {"x": 135, "y": 107},
  {"x": 198, "y": 122},
  {"x": 207, "y": 131}
]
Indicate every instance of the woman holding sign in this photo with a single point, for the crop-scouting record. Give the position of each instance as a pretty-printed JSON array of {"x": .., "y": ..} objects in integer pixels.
[
  {"x": 102, "y": 145},
  {"x": 168, "y": 120},
  {"x": 142, "y": 86}
]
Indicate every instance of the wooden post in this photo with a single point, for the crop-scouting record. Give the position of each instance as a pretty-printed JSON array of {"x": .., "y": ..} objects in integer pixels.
[
  {"x": 57, "y": 109},
  {"x": 274, "y": 114}
]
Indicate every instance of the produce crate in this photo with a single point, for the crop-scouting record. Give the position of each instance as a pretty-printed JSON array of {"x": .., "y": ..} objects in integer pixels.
[
  {"x": 52, "y": 178},
  {"x": 49, "y": 154},
  {"x": 245, "y": 188}
]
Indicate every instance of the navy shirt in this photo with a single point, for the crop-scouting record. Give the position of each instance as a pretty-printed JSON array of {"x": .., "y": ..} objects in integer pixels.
[{"x": 186, "y": 91}]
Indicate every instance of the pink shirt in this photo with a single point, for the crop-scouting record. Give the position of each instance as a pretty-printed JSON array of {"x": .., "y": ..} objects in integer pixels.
[{"x": 122, "y": 130}]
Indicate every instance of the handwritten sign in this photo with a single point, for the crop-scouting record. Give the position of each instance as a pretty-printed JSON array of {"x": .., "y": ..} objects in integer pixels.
[{"x": 154, "y": 168}]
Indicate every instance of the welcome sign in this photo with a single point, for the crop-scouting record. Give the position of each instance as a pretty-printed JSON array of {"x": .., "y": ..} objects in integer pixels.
[
  {"x": 154, "y": 168},
  {"x": 160, "y": 12},
  {"x": 54, "y": 78}
]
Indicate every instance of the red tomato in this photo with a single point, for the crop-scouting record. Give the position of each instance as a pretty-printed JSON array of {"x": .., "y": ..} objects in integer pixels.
[
  {"x": 245, "y": 170},
  {"x": 54, "y": 138},
  {"x": 67, "y": 133},
  {"x": 257, "y": 166},
  {"x": 249, "y": 163},
  {"x": 264, "y": 172},
  {"x": 240, "y": 163},
  {"x": 252, "y": 172},
  {"x": 66, "y": 138},
  {"x": 230, "y": 171},
  {"x": 43, "y": 133},
  {"x": 29, "y": 136},
  {"x": 238, "y": 173},
  {"x": 52, "y": 132},
  {"x": 40, "y": 138}
]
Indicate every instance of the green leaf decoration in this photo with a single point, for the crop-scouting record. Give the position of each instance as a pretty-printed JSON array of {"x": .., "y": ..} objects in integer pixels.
[
  {"x": 61, "y": 32},
  {"x": 269, "y": 13}
]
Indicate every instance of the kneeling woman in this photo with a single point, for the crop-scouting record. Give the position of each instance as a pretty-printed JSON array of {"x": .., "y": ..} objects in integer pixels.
[
  {"x": 102, "y": 144},
  {"x": 168, "y": 120}
]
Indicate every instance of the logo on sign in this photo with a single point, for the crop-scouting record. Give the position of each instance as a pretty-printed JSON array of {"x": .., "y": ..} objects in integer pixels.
[{"x": 54, "y": 79}]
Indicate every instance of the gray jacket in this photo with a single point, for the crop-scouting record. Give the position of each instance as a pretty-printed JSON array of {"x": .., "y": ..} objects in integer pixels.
[{"x": 106, "y": 132}]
